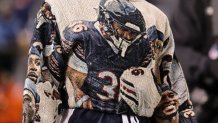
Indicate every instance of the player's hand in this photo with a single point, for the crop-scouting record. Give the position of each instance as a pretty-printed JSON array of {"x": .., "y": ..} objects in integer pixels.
[
  {"x": 83, "y": 100},
  {"x": 87, "y": 104}
]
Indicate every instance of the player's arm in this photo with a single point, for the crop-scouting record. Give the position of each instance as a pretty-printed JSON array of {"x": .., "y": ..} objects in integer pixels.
[
  {"x": 77, "y": 79},
  {"x": 172, "y": 74},
  {"x": 179, "y": 85},
  {"x": 173, "y": 84},
  {"x": 175, "y": 77},
  {"x": 40, "y": 35},
  {"x": 167, "y": 58},
  {"x": 73, "y": 48},
  {"x": 162, "y": 47}
]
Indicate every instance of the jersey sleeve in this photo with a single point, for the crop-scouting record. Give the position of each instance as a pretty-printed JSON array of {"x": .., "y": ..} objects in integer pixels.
[
  {"x": 167, "y": 52},
  {"x": 162, "y": 45},
  {"x": 172, "y": 68},
  {"x": 73, "y": 33}
]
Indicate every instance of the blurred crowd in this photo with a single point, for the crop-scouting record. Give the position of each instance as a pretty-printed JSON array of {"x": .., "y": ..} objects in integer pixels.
[
  {"x": 195, "y": 27},
  {"x": 16, "y": 23}
]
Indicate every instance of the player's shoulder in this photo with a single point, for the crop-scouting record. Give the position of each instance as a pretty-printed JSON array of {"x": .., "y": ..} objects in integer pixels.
[
  {"x": 148, "y": 8},
  {"x": 151, "y": 13},
  {"x": 153, "y": 16},
  {"x": 77, "y": 29}
]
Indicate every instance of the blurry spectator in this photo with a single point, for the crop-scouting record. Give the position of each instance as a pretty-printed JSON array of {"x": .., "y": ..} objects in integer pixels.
[
  {"x": 12, "y": 20},
  {"x": 10, "y": 98},
  {"x": 192, "y": 28},
  {"x": 21, "y": 12},
  {"x": 10, "y": 91},
  {"x": 8, "y": 45}
]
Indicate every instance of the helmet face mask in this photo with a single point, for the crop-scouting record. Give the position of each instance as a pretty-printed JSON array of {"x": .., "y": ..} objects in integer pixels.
[
  {"x": 124, "y": 32},
  {"x": 122, "y": 23}
]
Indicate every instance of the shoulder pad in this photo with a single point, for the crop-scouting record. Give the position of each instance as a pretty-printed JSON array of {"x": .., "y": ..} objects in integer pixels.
[{"x": 75, "y": 30}]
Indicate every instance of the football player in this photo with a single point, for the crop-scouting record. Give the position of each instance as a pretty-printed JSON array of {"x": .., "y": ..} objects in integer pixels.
[
  {"x": 102, "y": 50},
  {"x": 45, "y": 71},
  {"x": 101, "y": 53}
]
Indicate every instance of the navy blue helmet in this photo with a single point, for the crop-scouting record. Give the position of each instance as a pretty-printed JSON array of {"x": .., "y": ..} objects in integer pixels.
[
  {"x": 122, "y": 12},
  {"x": 127, "y": 16}
]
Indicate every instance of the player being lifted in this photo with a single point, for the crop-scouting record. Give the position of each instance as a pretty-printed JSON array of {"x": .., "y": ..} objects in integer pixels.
[{"x": 118, "y": 66}]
